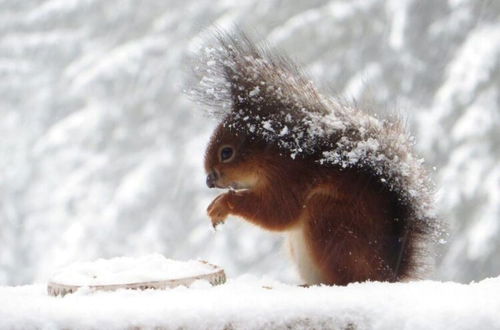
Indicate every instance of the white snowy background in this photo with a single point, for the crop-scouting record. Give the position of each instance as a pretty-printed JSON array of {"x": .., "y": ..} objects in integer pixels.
[{"x": 101, "y": 152}]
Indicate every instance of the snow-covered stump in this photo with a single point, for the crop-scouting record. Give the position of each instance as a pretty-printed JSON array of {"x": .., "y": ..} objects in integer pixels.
[
  {"x": 248, "y": 303},
  {"x": 142, "y": 273}
]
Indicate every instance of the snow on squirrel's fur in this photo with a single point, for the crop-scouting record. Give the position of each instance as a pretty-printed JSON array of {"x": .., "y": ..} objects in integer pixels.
[{"x": 288, "y": 111}]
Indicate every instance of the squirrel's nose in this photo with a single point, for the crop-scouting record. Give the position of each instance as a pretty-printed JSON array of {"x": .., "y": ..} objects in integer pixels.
[{"x": 211, "y": 178}]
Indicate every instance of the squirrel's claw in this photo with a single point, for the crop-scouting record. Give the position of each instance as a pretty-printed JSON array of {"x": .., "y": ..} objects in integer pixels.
[
  {"x": 215, "y": 223},
  {"x": 218, "y": 210}
]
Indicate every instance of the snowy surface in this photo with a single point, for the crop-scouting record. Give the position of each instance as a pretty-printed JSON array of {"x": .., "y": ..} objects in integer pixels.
[
  {"x": 248, "y": 303},
  {"x": 123, "y": 270}
]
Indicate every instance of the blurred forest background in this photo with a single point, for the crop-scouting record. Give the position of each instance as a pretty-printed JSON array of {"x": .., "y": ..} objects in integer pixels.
[{"x": 101, "y": 152}]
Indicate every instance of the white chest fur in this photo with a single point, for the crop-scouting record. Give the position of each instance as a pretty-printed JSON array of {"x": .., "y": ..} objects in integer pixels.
[{"x": 300, "y": 253}]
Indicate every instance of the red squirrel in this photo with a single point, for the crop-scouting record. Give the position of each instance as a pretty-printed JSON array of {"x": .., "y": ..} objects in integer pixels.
[{"x": 345, "y": 185}]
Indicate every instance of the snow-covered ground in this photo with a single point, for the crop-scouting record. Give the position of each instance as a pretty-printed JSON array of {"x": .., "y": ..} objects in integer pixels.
[{"x": 250, "y": 303}]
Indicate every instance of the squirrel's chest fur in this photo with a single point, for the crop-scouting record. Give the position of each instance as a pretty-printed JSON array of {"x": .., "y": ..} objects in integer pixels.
[
  {"x": 299, "y": 236},
  {"x": 300, "y": 252}
]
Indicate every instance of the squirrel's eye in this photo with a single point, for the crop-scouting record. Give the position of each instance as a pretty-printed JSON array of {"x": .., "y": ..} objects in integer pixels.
[{"x": 226, "y": 153}]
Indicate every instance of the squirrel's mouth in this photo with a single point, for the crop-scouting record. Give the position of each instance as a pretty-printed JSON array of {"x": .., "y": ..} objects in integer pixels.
[
  {"x": 236, "y": 186},
  {"x": 214, "y": 180}
]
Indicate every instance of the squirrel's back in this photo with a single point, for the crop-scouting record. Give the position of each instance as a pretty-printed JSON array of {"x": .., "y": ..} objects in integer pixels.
[{"x": 368, "y": 190}]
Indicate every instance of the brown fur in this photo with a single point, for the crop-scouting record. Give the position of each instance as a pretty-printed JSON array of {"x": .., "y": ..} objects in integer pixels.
[
  {"x": 359, "y": 220},
  {"x": 348, "y": 216}
]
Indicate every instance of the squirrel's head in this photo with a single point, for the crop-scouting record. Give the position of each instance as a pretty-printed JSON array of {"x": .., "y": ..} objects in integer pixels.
[
  {"x": 266, "y": 105},
  {"x": 231, "y": 160}
]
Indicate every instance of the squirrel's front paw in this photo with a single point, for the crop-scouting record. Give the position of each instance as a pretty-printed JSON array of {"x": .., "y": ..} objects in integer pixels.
[{"x": 219, "y": 209}]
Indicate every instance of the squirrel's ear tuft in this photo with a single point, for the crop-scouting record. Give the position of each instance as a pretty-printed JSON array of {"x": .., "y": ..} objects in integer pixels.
[{"x": 237, "y": 76}]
